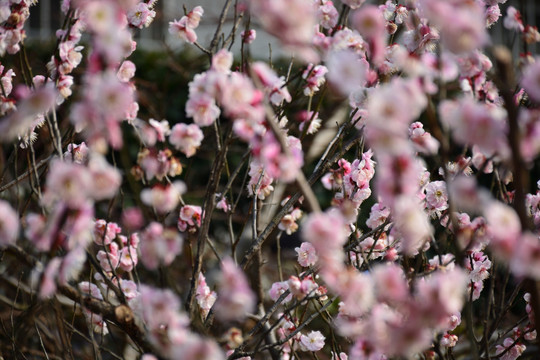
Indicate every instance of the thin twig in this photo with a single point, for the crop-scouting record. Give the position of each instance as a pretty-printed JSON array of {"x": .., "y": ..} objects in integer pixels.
[
  {"x": 224, "y": 11},
  {"x": 208, "y": 208}
]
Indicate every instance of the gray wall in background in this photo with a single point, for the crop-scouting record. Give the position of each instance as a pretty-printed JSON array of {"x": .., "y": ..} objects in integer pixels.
[{"x": 45, "y": 19}]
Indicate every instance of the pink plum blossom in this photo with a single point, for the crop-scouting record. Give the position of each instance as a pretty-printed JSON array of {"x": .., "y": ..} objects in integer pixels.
[
  {"x": 106, "y": 178},
  {"x": 189, "y": 218},
  {"x": 7, "y": 79},
  {"x": 70, "y": 183},
  {"x": 48, "y": 280},
  {"x": 302, "y": 287},
  {"x": 531, "y": 80},
  {"x": 159, "y": 245},
  {"x": 291, "y": 21},
  {"x": 141, "y": 15},
  {"x": 260, "y": 182},
  {"x": 222, "y": 61},
  {"x": 96, "y": 320},
  {"x": 277, "y": 289},
  {"x": 186, "y": 138},
  {"x": 363, "y": 349},
  {"x": 77, "y": 153},
  {"x": 526, "y": 258},
  {"x": 399, "y": 176},
  {"x": 531, "y": 34},
  {"x": 105, "y": 232},
  {"x": 222, "y": 204},
  {"x": 442, "y": 294},
  {"x": 61, "y": 271},
  {"x": 436, "y": 196},
  {"x": 163, "y": 198},
  {"x": 288, "y": 222},
  {"x": 159, "y": 307},
  {"x": 461, "y": 24},
  {"x": 327, "y": 15},
  {"x": 235, "y": 297},
  {"x": 168, "y": 327},
  {"x": 449, "y": 340},
  {"x": 479, "y": 270},
  {"x": 390, "y": 283},
  {"x": 181, "y": 30},
  {"x": 512, "y": 20},
  {"x": 476, "y": 124},
  {"x": 100, "y": 17},
  {"x": 493, "y": 13},
  {"x": 306, "y": 254},
  {"x": 370, "y": 23},
  {"x": 9, "y": 224},
  {"x": 161, "y": 128},
  {"x": 109, "y": 259},
  {"x": 203, "y": 109},
  {"x": 314, "y": 341},
  {"x": 205, "y": 297},
  {"x": 128, "y": 258},
  {"x": 185, "y": 27},
  {"x": 35, "y": 229},
  {"x": 70, "y": 55},
  {"x": 504, "y": 227},
  {"x": 356, "y": 290},
  {"x": 347, "y": 71},
  {"x": 158, "y": 164},
  {"x": 132, "y": 218},
  {"x": 275, "y": 86},
  {"x": 309, "y": 118},
  {"x": 30, "y": 109},
  {"x": 106, "y": 101},
  {"x": 315, "y": 78},
  {"x": 248, "y": 36},
  {"x": 325, "y": 231},
  {"x": 422, "y": 140},
  {"x": 390, "y": 109},
  {"x": 378, "y": 215},
  {"x": 515, "y": 350},
  {"x": 241, "y": 99},
  {"x": 412, "y": 224}
]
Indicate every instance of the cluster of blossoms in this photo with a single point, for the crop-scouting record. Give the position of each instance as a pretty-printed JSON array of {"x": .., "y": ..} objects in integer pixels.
[
  {"x": 513, "y": 346},
  {"x": 427, "y": 124},
  {"x": 408, "y": 197},
  {"x": 513, "y": 21},
  {"x": 69, "y": 55},
  {"x": 168, "y": 327},
  {"x": 25, "y": 109},
  {"x": 153, "y": 162},
  {"x": 314, "y": 76},
  {"x": 112, "y": 258},
  {"x": 72, "y": 187},
  {"x": 109, "y": 95},
  {"x": 240, "y": 100},
  {"x": 13, "y": 16}
]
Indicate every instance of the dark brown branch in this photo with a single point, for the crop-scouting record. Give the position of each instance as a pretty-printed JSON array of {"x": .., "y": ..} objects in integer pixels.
[
  {"x": 214, "y": 42},
  {"x": 208, "y": 209}
]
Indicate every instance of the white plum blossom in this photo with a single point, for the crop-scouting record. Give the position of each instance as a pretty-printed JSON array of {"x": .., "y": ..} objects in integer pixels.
[{"x": 314, "y": 341}]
